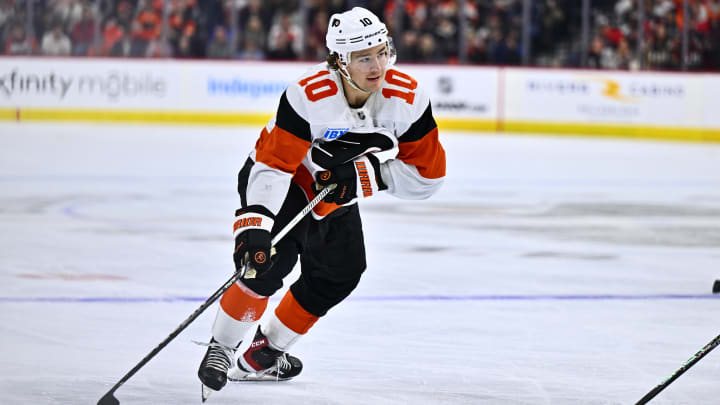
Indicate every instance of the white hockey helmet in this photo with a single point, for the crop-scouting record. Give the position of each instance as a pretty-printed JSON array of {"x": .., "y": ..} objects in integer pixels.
[{"x": 355, "y": 30}]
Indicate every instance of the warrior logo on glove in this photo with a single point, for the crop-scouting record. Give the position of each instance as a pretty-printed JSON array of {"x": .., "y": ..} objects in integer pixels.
[
  {"x": 358, "y": 178},
  {"x": 260, "y": 257},
  {"x": 252, "y": 238}
]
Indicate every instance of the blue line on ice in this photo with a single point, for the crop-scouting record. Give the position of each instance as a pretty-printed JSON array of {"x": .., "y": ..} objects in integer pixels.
[{"x": 538, "y": 297}]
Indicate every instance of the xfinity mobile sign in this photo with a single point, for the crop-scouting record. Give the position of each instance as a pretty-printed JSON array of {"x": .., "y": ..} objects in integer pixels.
[
  {"x": 21, "y": 83},
  {"x": 144, "y": 85}
]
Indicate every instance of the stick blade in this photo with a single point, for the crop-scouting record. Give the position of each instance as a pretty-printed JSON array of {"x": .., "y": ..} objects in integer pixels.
[{"x": 108, "y": 399}]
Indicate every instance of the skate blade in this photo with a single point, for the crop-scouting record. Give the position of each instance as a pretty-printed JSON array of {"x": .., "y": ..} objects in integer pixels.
[
  {"x": 255, "y": 377},
  {"x": 205, "y": 393}
]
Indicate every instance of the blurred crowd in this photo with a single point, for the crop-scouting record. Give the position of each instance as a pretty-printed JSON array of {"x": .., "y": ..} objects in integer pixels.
[
  {"x": 429, "y": 31},
  {"x": 617, "y": 33}
]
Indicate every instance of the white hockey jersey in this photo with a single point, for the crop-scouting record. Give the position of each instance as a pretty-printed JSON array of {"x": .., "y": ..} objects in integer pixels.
[{"x": 314, "y": 110}]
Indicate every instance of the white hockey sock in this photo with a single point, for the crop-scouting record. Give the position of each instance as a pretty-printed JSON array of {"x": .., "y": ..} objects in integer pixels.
[
  {"x": 240, "y": 309},
  {"x": 279, "y": 336},
  {"x": 228, "y": 331}
]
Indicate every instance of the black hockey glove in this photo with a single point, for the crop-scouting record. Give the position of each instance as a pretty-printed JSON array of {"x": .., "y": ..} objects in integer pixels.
[
  {"x": 351, "y": 146},
  {"x": 252, "y": 239},
  {"x": 359, "y": 178}
]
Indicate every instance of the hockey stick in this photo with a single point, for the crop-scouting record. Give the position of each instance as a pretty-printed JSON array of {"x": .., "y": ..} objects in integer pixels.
[
  {"x": 694, "y": 359},
  {"x": 109, "y": 398}
]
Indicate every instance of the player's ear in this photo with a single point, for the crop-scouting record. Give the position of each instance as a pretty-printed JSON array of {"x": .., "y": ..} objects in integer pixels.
[{"x": 333, "y": 60}]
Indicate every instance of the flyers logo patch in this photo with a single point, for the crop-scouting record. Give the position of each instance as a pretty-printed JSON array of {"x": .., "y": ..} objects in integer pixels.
[
  {"x": 260, "y": 257},
  {"x": 325, "y": 176}
]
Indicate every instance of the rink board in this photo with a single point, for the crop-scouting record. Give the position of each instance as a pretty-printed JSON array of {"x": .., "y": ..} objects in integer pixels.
[{"x": 606, "y": 103}]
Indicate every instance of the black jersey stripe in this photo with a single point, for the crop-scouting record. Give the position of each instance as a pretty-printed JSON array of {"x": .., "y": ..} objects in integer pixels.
[
  {"x": 289, "y": 120},
  {"x": 420, "y": 128}
]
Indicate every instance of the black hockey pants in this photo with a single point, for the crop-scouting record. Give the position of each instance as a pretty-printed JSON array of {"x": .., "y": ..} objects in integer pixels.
[{"x": 331, "y": 251}]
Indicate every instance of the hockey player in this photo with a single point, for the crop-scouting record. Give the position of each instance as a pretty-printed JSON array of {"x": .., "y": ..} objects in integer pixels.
[{"x": 329, "y": 125}]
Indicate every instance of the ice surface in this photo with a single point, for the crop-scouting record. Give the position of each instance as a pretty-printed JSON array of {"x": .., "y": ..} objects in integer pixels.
[{"x": 546, "y": 271}]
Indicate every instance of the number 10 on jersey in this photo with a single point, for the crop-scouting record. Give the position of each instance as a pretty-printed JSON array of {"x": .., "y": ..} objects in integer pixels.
[{"x": 319, "y": 89}]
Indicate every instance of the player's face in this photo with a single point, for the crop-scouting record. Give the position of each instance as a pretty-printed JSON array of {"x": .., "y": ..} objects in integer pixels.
[{"x": 367, "y": 67}]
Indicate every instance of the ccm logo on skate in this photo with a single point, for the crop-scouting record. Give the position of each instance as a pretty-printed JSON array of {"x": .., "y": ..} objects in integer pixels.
[
  {"x": 244, "y": 222},
  {"x": 258, "y": 343},
  {"x": 364, "y": 179}
]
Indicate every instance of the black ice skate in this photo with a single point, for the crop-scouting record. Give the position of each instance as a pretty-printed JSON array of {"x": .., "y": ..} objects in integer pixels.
[
  {"x": 214, "y": 367},
  {"x": 260, "y": 362}
]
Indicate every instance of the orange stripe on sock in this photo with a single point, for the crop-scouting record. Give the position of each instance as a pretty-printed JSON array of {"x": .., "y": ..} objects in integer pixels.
[
  {"x": 292, "y": 315},
  {"x": 242, "y": 306}
]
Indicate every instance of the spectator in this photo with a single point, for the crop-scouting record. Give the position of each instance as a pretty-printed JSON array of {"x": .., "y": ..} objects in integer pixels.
[
  {"x": 599, "y": 55},
  {"x": 660, "y": 49},
  {"x": 124, "y": 13},
  {"x": 181, "y": 23},
  {"x": 285, "y": 39},
  {"x": 7, "y": 12},
  {"x": 18, "y": 43},
  {"x": 254, "y": 34},
  {"x": 55, "y": 42},
  {"x": 552, "y": 26},
  {"x": 70, "y": 11},
  {"x": 477, "y": 49},
  {"x": 83, "y": 33},
  {"x": 150, "y": 23},
  {"x": 429, "y": 51},
  {"x": 254, "y": 8},
  {"x": 188, "y": 34},
  {"x": 409, "y": 46},
  {"x": 250, "y": 51},
  {"x": 46, "y": 23},
  {"x": 662, "y": 8},
  {"x": 504, "y": 50},
  {"x": 112, "y": 33},
  {"x": 220, "y": 47},
  {"x": 158, "y": 48},
  {"x": 20, "y": 17},
  {"x": 316, "y": 36},
  {"x": 623, "y": 57},
  {"x": 129, "y": 46},
  {"x": 447, "y": 34},
  {"x": 185, "y": 43}
]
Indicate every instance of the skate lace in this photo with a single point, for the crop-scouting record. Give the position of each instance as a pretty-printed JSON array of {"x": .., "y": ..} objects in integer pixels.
[
  {"x": 281, "y": 364},
  {"x": 219, "y": 356}
]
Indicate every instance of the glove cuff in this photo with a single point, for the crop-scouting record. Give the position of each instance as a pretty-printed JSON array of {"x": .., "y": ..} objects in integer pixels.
[
  {"x": 253, "y": 217},
  {"x": 368, "y": 171},
  {"x": 376, "y": 167}
]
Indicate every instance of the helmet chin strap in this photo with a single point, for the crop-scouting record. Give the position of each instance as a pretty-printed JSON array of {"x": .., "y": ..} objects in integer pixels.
[{"x": 346, "y": 75}]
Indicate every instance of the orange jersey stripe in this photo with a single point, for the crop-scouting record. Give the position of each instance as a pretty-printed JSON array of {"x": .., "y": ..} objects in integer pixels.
[
  {"x": 280, "y": 149},
  {"x": 304, "y": 179},
  {"x": 242, "y": 306},
  {"x": 292, "y": 315},
  {"x": 426, "y": 154}
]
